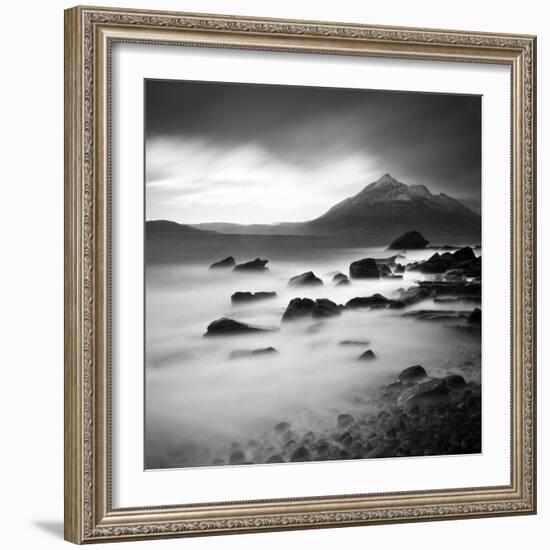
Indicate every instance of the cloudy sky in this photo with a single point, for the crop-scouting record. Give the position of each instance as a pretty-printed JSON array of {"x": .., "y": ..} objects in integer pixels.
[{"x": 250, "y": 153}]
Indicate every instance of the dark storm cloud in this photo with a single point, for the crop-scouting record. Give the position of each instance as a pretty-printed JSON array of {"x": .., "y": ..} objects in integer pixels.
[
  {"x": 218, "y": 141},
  {"x": 430, "y": 138}
]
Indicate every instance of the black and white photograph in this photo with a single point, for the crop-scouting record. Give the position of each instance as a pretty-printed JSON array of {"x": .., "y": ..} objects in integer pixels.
[{"x": 312, "y": 274}]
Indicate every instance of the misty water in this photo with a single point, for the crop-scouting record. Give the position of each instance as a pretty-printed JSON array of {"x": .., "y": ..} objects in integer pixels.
[{"x": 200, "y": 404}]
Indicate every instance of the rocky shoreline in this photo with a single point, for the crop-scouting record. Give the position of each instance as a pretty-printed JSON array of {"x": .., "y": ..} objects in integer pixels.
[{"x": 417, "y": 414}]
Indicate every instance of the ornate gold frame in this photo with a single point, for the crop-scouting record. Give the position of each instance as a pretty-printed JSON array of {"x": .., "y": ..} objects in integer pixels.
[{"x": 89, "y": 34}]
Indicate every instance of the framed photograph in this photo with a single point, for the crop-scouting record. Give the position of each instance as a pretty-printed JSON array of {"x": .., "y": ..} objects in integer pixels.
[{"x": 300, "y": 274}]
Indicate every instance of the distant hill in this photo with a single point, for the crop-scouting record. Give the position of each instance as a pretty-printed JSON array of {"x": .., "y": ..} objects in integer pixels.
[
  {"x": 167, "y": 226},
  {"x": 383, "y": 209}
]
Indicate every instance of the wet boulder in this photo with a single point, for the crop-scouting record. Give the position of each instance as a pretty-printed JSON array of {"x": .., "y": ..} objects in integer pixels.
[
  {"x": 374, "y": 301},
  {"x": 274, "y": 459},
  {"x": 225, "y": 263},
  {"x": 436, "y": 264},
  {"x": 227, "y": 327},
  {"x": 245, "y": 297},
  {"x": 366, "y": 268},
  {"x": 298, "y": 308},
  {"x": 412, "y": 374},
  {"x": 325, "y": 308},
  {"x": 301, "y": 454},
  {"x": 367, "y": 355},
  {"x": 464, "y": 254},
  {"x": 305, "y": 279},
  {"x": 411, "y": 295},
  {"x": 340, "y": 279},
  {"x": 454, "y": 381},
  {"x": 425, "y": 393},
  {"x": 240, "y": 354},
  {"x": 254, "y": 265},
  {"x": 413, "y": 240},
  {"x": 344, "y": 420}
]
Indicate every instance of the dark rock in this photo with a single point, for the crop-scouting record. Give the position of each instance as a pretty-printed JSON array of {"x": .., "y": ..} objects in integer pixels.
[
  {"x": 305, "y": 279},
  {"x": 384, "y": 270},
  {"x": 425, "y": 393},
  {"x": 436, "y": 264},
  {"x": 346, "y": 439},
  {"x": 225, "y": 263},
  {"x": 254, "y": 265},
  {"x": 374, "y": 301},
  {"x": 282, "y": 427},
  {"x": 240, "y": 354},
  {"x": 237, "y": 457},
  {"x": 243, "y": 297},
  {"x": 410, "y": 296},
  {"x": 298, "y": 308},
  {"x": 463, "y": 254},
  {"x": 289, "y": 444},
  {"x": 301, "y": 454},
  {"x": 367, "y": 355},
  {"x": 273, "y": 459},
  {"x": 354, "y": 343},
  {"x": 364, "y": 269},
  {"x": 339, "y": 277},
  {"x": 454, "y": 381},
  {"x": 325, "y": 308},
  {"x": 412, "y": 240},
  {"x": 225, "y": 327},
  {"x": 399, "y": 268},
  {"x": 475, "y": 317},
  {"x": 344, "y": 420},
  {"x": 412, "y": 374}
]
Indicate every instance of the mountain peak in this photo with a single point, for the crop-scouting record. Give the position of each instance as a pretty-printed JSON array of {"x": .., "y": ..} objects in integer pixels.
[{"x": 383, "y": 181}]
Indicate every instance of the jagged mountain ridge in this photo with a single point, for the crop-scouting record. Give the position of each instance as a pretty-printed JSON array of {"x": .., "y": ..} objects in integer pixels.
[
  {"x": 389, "y": 205},
  {"x": 384, "y": 209}
]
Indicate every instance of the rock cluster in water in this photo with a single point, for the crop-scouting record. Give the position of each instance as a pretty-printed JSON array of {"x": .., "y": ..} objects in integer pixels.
[
  {"x": 415, "y": 415},
  {"x": 298, "y": 308}
]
